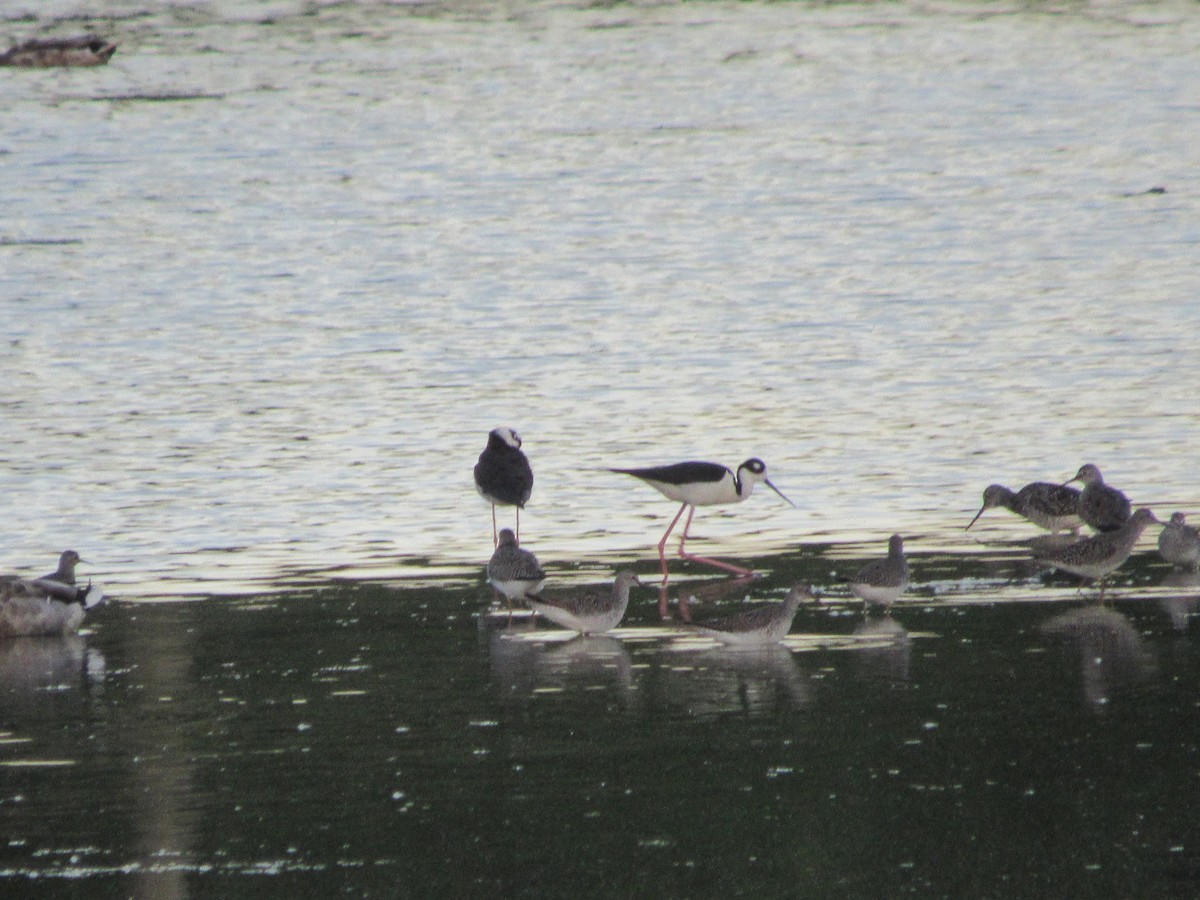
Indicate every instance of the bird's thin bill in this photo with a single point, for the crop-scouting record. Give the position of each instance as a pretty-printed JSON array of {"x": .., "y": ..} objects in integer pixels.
[
  {"x": 767, "y": 482},
  {"x": 976, "y": 519}
]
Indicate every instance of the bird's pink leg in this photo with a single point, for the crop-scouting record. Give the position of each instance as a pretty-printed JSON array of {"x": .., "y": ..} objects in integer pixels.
[
  {"x": 495, "y": 538},
  {"x": 728, "y": 567},
  {"x": 518, "y": 526},
  {"x": 662, "y": 545}
]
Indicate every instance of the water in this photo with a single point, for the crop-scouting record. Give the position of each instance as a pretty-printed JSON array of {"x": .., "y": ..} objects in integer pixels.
[{"x": 268, "y": 279}]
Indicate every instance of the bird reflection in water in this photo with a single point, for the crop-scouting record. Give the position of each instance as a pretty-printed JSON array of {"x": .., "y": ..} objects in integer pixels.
[
  {"x": 526, "y": 661},
  {"x": 884, "y": 648},
  {"x": 1109, "y": 650},
  {"x": 1181, "y": 608}
]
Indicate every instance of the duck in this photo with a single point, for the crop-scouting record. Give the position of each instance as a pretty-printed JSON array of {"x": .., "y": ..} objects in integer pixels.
[
  {"x": 50, "y": 605},
  {"x": 44, "y": 53}
]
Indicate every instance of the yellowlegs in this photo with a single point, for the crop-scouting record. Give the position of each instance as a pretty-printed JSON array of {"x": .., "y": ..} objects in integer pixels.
[
  {"x": 767, "y": 623},
  {"x": 1102, "y": 507},
  {"x": 1099, "y": 555},
  {"x": 512, "y": 571},
  {"x": 503, "y": 475},
  {"x": 588, "y": 613},
  {"x": 1054, "y": 507},
  {"x": 77, "y": 51},
  {"x": 1179, "y": 543},
  {"x": 881, "y": 581},
  {"x": 695, "y": 484}
]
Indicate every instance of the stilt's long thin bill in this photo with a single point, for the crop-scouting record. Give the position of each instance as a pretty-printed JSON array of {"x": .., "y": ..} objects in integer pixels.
[{"x": 767, "y": 482}]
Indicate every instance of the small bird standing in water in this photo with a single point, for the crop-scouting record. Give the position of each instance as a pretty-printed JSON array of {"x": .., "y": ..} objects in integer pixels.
[
  {"x": 1102, "y": 507},
  {"x": 503, "y": 475},
  {"x": 589, "y": 613},
  {"x": 1053, "y": 507},
  {"x": 881, "y": 581},
  {"x": 767, "y": 623},
  {"x": 1101, "y": 554},
  {"x": 514, "y": 572},
  {"x": 1179, "y": 543}
]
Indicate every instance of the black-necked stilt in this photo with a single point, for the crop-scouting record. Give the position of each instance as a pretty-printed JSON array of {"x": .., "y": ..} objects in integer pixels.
[
  {"x": 1179, "y": 543},
  {"x": 503, "y": 475},
  {"x": 1054, "y": 507},
  {"x": 589, "y": 613},
  {"x": 695, "y": 484},
  {"x": 87, "y": 50},
  {"x": 1100, "y": 506},
  {"x": 881, "y": 581},
  {"x": 512, "y": 571},
  {"x": 767, "y": 623},
  {"x": 1101, "y": 554}
]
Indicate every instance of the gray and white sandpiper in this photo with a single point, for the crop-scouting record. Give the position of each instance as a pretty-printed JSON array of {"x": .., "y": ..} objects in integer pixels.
[
  {"x": 591, "y": 612},
  {"x": 50, "y": 605},
  {"x": 766, "y": 623},
  {"x": 881, "y": 581},
  {"x": 1179, "y": 543},
  {"x": 1098, "y": 556},
  {"x": 503, "y": 475},
  {"x": 1102, "y": 507},
  {"x": 693, "y": 484},
  {"x": 1054, "y": 507},
  {"x": 512, "y": 571}
]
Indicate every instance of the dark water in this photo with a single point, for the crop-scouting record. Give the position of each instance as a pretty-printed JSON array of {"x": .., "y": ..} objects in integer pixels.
[{"x": 387, "y": 741}]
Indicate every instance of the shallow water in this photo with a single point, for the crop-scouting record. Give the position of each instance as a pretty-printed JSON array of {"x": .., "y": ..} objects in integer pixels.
[{"x": 268, "y": 279}]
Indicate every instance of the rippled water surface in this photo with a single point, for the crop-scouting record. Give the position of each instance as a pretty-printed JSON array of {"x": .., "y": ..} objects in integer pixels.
[{"x": 268, "y": 279}]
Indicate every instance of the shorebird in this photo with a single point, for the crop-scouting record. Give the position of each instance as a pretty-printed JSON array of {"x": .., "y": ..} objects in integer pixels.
[
  {"x": 1097, "y": 556},
  {"x": 1100, "y": 506},
  {"x": 693, "y": 484},
  {"x": 503, "y": 475},
  {"x": 590, "y": 613},
  {"x": 65, "y": 573},
  {"x": 512, "y": 571},
  {"x": 45, "y": 53},
  {"x": 52, "y": 604},
  {"x": 881, "y": 581},
  {"x": 1179, "y": 543},
  {"x": 1054, "y": 507},
  {"x": 767, "y": 623}
]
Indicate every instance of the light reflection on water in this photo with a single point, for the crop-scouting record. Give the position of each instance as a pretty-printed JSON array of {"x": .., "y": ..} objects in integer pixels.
[{"x": 293, "y": 312}]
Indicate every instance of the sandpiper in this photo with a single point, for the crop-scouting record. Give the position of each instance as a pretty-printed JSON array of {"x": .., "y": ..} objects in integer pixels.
[
  {"x": 766, "y": 623},
  {"x": 1097, "y": 556},
  {"x": 50, "y": 605},
  {"x": 1102, "y": 507},
  {"x": 47, "y": 52},
  {"x": 514, "y": 572},
  {"x": 1179, "y": 543},
  {"x": 503, "y": 475},
  {"x": 589, "y": 613},
  {"x": 695, "y": 484},
  {"x": 1053, "y": 507},
  {"x": 881, "y": 581}
]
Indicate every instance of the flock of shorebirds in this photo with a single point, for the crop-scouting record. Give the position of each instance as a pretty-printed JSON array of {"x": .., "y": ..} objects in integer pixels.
[
  {"x": 504, "y": 477},
  {"x": 55, "y": 603}
]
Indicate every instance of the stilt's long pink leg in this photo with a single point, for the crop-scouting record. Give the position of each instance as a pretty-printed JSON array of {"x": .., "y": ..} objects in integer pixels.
[
  {"x": 728, "y": 567},
  {"x": 662, "y": 545},
  {"x": 518, "y": 526},
  {"x": 495, "y": 538}
]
